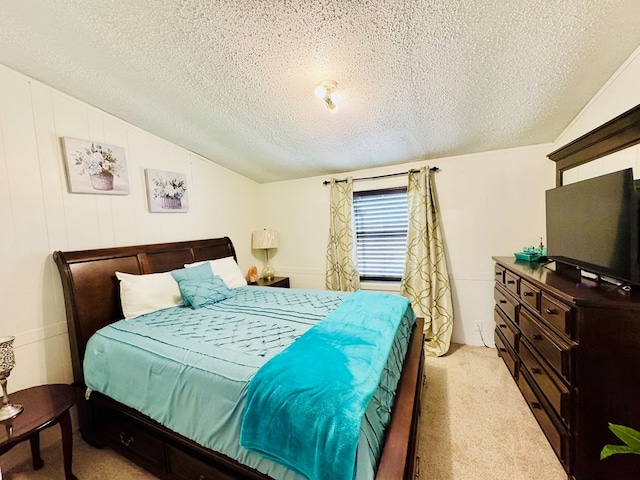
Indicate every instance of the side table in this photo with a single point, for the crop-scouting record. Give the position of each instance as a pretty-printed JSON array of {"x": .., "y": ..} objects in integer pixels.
[
  {"x": 282, "y": 282},
  {"x": 44, "y": 406}
]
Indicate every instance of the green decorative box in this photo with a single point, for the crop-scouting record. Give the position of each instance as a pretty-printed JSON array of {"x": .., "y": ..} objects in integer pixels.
[{"x": 528, "y": 257}]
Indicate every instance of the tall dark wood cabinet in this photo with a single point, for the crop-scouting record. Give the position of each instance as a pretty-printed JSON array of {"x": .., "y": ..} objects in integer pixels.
[{"x": 573, "y": 347}]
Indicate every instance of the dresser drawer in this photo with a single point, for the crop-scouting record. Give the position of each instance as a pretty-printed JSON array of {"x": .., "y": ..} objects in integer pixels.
[
  {"x": 530, "y": 295},
  {"x": 557, "y": 314},
  {"x": 183, "y": 466},
  {"x": 504, "y": 351},
  {"x": 547, "y": 345},
  {"x": 507, "y": 328},
  {"x": 556, "y": 434},
  {"x": 512, "y": 282},
  {"x": 551, "y": 386},
  {"x": 500, "y": 271},
  {"x": 507, "y": 304},
  {"x": 133, "y": 440}
]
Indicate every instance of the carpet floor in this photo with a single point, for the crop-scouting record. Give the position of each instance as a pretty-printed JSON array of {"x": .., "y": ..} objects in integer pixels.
[{"x": 475, "y": 425}]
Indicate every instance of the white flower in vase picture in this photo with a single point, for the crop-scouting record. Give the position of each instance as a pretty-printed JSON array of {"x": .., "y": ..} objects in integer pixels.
[
  {"x": 167, "y": 191},
  {"x": 95, "y": 167}
]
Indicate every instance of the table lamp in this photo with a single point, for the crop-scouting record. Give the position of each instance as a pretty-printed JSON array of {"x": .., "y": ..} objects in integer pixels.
[
  {"x": 7, "y": 362},
  {"x": 265, "y": 239}
]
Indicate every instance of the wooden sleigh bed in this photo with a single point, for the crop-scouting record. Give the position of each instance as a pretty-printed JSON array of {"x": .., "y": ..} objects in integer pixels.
[{"x": 92, "y": 299}]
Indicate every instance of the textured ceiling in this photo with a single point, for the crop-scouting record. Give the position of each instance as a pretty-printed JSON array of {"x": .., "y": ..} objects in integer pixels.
[{"x": 417, "y": 79}]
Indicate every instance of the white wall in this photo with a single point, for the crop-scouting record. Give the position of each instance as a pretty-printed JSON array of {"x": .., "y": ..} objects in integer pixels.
[
  {"x": 491, "y": 203},
  {"x": 618, "y": 95},
  {"x": 39, "y": 216}
]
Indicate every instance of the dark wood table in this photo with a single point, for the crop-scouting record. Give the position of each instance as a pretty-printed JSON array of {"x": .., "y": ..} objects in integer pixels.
[
  {"x": 282, "y": 282},
  {"x": 44, "y": 406}
]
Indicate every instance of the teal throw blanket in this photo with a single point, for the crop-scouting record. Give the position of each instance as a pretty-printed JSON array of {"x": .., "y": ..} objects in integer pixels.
[{"x": 305, "y": 406}]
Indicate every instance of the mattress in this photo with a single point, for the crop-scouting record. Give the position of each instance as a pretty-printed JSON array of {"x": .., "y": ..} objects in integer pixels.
[{"x": 189, "y": 369}]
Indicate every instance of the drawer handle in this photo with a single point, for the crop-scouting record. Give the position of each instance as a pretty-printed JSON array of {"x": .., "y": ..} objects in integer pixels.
[
  {"x": 417, "y": 466},
  {"x": 551, "y": 311},
  {"x": 502, "y": 349},
  {"x": 536, "y": 336},
  {"x": 536, "y": 405},
  {"x": 498, "y": 274},
  {"x": 511, "y": 282},
  {"x": 528, "y": 294},
  {"x": 502, "y": 325},
  {"x": 502, "y": 302},
  {"x": 536, "y": 371},
  {"x": 126, "y": 442}
]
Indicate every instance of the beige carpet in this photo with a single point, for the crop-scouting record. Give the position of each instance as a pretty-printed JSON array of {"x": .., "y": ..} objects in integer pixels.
[{"x": 475, "y": 425}]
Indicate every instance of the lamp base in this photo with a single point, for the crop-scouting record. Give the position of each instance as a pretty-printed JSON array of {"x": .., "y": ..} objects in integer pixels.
[
  {"x": 268, "y": 272},
  {"x": 9, "y": 411}
]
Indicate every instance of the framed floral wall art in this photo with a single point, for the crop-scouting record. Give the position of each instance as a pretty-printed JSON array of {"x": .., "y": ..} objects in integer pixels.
[
  {"x": 167, "y": 191},
  {"x": 95, "y": 167}
]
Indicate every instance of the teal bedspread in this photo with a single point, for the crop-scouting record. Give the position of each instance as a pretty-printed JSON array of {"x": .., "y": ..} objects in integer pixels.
[
  {"x": 189, "y": 369},
  {"x": 305, "y": 406}
]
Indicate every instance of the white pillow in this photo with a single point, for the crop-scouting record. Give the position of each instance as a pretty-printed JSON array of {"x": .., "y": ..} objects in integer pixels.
[
  {"x": 227, "y": 269},
  {"x": 141, "y": 294}
]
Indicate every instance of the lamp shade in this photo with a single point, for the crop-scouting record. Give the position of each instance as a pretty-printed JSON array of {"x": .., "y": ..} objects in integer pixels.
[{"x": 264, "y": 239}]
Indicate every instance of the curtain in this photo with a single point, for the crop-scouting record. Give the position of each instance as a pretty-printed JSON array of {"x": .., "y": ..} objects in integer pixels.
[
  {"x": 341, "y": 266},
  {"x": 426, "y": 280}
]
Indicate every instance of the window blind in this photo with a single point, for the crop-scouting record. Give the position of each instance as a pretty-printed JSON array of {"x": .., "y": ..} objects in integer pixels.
[{"x": 381, "y": 222}]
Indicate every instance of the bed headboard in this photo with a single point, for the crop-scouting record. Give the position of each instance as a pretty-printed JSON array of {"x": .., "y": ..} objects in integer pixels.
[{"x": 91, "y": 289}]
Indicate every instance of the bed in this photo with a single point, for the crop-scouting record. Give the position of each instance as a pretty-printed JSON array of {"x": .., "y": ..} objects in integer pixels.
[{"x": 92, "y": 298}]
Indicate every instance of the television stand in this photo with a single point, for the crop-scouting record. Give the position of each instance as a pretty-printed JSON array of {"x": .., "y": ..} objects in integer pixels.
[
  {"x": 565, "y": 269},
  {"x": 577, "y": 274},
  {"x": 573, "y": 346}
]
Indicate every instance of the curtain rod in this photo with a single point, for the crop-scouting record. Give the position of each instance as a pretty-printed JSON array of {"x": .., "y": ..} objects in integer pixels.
[{"x": 433, "y": 169}]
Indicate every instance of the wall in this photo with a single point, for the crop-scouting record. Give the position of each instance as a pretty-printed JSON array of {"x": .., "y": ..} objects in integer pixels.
[
  {"x": 618, "y": 95},
  {"x": 491, "y": 203},
  {"x": 39, "y": 216}
]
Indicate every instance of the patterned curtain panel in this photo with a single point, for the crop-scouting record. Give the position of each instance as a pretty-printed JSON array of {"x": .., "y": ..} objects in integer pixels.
[
  {"x": 426, "y": 279},
  {"x": 341, "y": 266}
]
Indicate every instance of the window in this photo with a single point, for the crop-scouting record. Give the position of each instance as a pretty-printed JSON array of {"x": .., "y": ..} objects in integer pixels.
[{"x": 381, "y": 221}]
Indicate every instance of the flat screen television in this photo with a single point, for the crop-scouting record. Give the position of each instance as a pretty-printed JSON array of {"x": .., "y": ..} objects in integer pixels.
[{"x": 593, "y": 225}]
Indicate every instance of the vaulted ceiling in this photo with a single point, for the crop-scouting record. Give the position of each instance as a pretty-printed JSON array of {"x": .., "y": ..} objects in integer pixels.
[{"x": 417, "y": 79}]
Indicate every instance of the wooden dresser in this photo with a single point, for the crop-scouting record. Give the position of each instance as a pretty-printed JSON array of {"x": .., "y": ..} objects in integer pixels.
[{"x": 573, "y": 347}]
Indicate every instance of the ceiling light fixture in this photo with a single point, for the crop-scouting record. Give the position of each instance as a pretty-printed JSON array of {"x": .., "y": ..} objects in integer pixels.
[{"x": 324, "y": 91}]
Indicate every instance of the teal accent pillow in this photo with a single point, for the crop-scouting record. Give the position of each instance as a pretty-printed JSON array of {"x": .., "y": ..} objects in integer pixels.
[
  {"x": 200, "y": 292},
  {"x": 195, "y": 273},
  {"x": 201, "y": 272}
]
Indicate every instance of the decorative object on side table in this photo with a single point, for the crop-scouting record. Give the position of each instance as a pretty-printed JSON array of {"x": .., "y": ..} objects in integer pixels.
[
  {"x": 7, "y": 362},
  {"x": 265, "y": 239},
  {"x": 94, "y": 167},
  {"x": 252, "y": 275}
]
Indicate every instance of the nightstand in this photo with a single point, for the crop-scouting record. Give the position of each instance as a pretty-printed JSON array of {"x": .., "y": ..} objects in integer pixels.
[
  {"x": 44, "y": 406},
  {"x": 282, "y": 282}
]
